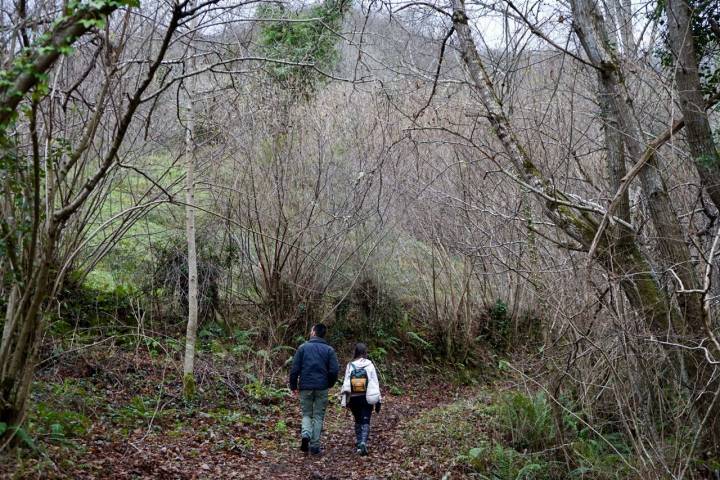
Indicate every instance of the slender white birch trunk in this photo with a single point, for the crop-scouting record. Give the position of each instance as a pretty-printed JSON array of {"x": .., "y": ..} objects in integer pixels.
[{"x": 191, "y": 333}]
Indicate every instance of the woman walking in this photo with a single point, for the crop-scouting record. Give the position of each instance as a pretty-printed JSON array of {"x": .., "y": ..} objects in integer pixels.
[{"x": 361, "y": 393}]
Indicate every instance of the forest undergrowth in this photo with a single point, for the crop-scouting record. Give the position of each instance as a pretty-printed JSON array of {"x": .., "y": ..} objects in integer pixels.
[
  {"x": 112, "y": 407},
  {"x": 115, "y": 410}
]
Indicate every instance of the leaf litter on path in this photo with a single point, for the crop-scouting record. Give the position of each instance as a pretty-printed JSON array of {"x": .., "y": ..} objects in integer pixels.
[{"x": 242, "y": 440}]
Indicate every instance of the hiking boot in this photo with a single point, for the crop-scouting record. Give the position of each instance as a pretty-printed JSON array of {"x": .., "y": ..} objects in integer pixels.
[
  {"x": 364, "y": 434},
  {"x": 362, "y": 450},
  {"x": 304, "y": 444},
  {"x": 315, "y": 451},
  {"x": 358, "y": 435}
]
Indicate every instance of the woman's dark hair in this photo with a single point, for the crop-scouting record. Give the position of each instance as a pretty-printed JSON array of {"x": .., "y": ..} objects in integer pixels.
[{"x": 360, "y": 351}]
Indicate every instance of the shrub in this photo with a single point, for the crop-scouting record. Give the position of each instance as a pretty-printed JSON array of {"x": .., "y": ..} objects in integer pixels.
[
  {"x": 496, "y": 462},
  {"x": 58, "y": 425},
  {"x": 168, "y": 280},
  {"x": 603, "y": 458},
  {"x": 372, "y": 314},
  {"x": 528, "y": 420},
  {"x": 499, "y": 326},
  {"x": 84, "y": 304},
  {"x": 530, "y": 448},
  {"x": 264, "y": 393}
]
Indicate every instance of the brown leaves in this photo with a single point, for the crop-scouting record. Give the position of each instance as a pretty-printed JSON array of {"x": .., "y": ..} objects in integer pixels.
[{"x": 225, "y": 437}]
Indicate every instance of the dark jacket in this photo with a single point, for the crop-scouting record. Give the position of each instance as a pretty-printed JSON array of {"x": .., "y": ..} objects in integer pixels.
[{"x": 316, "y": 365}]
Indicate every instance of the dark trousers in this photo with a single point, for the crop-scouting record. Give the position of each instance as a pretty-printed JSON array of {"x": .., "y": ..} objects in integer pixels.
[{"x": 361, "y": 410}]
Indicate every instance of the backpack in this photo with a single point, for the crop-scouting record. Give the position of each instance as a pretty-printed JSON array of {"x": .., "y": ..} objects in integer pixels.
[{"x": 358, "y": 379}]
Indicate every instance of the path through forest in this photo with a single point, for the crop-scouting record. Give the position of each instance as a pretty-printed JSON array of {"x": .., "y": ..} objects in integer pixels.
[
  {"x": 124, "y": 418},
  {"x": 243, "y": 439},
  {"x": 389, "y": 456},
  {"x": 274, "y": 456}
]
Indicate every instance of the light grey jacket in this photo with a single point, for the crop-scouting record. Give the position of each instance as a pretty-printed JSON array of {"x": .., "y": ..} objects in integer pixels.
[{"x": 372, "y": 394}]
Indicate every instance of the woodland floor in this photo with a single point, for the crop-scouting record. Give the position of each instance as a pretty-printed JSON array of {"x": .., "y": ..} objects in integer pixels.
[
  {"x": 275, "y": 456},
  {"x": 136, "y": 426}
]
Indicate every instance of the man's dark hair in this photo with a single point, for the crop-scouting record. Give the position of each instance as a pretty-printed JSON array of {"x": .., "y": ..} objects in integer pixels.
[
  {"x": 360, "y": 351},
  {"x": 320, "y": 330}
]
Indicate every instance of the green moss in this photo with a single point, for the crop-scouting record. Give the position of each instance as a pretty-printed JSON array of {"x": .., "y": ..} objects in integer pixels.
[
  {"x": 708, "y": 161},
  {"x": 649, "y": 295},
  {"x": 583, "y": 227},
  {"x": 529, "y": 166},
  {"x": 189, "y": 386}
]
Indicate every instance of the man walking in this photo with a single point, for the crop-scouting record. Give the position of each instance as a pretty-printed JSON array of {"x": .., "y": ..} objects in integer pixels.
[{"x": 316, "y": 366}]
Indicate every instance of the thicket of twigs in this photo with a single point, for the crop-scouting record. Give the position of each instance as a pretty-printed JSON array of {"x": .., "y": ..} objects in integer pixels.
[{"x": 442, "y": 179}]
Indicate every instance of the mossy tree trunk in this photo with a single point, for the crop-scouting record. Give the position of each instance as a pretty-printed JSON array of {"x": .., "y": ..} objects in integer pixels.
[{"x": 618, "y": 250}]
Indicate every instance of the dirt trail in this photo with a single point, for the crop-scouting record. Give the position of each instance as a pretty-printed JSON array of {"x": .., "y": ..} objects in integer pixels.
[
  {"x": 206, "y": 450},
  {"x": 388, "y": 457},
  {"x": 137, "y": 430}
]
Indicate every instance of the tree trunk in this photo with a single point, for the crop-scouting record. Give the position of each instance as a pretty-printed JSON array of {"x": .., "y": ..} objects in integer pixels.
[
  {"x": 675, "y": 254},
  {"x": 33, "y": 265},
  {"x": 191, "y": 334},
  {"x": 689, "y": 91},
  {"x": 22, "y": 329},
  {"x": 688, "y": 322},
  {"x": 635, "y": 273},
  {"x": 623, "y": 259},
  {"x": 17, "y": 355}
]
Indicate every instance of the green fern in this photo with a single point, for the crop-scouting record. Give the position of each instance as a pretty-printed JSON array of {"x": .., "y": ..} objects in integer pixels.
[{"x": 528, "y": 420}]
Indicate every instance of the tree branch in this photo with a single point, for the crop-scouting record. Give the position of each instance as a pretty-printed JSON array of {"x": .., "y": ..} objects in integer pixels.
[{"x": 29, "y": 69}]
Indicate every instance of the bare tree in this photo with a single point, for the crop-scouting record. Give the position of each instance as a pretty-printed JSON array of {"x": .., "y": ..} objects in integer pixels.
[
  {"x": 661, "y": 283},
  {"x": 192, "y": 263},
  {"x": 52, "y": 158}
]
